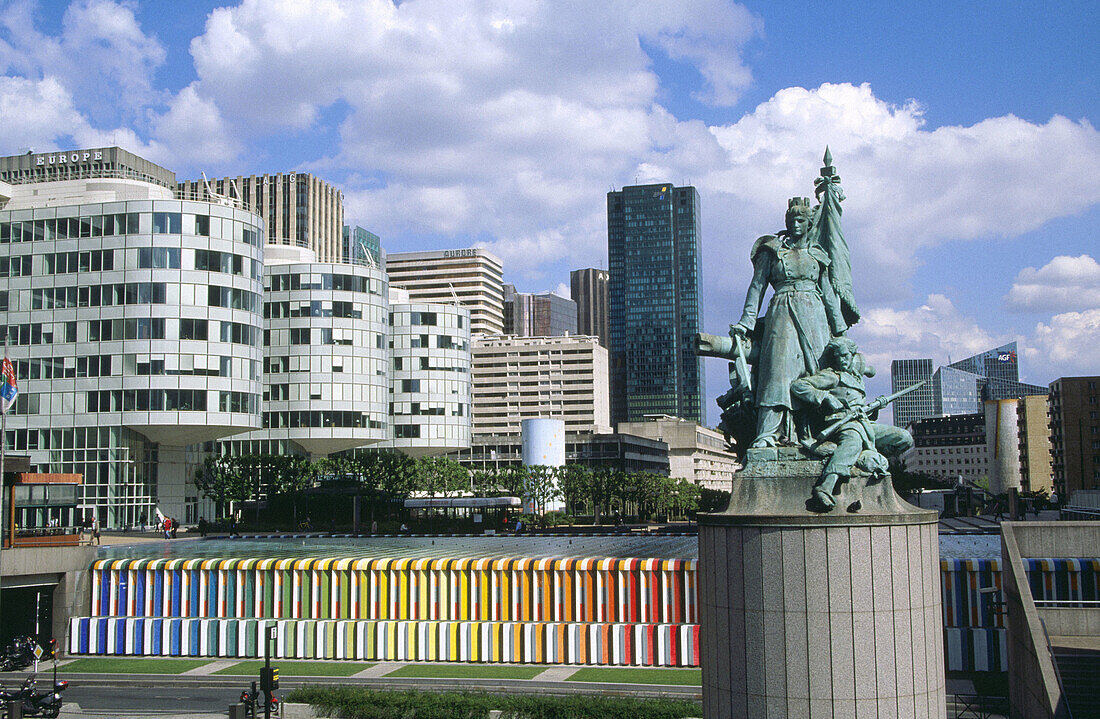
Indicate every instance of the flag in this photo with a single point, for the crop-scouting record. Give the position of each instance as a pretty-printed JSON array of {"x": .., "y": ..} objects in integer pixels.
[{"x": 9, "y": 389}]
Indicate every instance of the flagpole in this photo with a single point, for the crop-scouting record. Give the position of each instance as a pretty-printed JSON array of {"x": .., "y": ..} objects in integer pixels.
[{"x": 3, "y": 486}]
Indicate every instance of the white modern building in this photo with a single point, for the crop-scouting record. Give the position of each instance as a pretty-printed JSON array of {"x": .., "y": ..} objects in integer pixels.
[
  {"x": 326, "y": 356},
  {"x": 471, "y": 277},
  {"x": 148, "y": 330},
  {"x": 517, "y": 378},
  {"x": 134, "y": 320},
  {"x": 430, "y": 394}
]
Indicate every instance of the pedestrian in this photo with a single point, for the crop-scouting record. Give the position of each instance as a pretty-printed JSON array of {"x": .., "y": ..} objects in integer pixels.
[
  {"x": 175, "y": 526},
  {"x": 202, "y": 526},
  {"x": 95, "y": 529},
  {"x": 374, "y": 526},
  {"x": 167, "y": 526}
]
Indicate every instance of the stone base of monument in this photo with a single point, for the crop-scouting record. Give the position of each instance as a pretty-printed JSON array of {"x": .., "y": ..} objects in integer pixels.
[{"x": 819, "y": 615}]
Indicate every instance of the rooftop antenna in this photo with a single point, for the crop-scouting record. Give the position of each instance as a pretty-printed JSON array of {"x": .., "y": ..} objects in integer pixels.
[
  {"x": 458, "y": 302},
  {"x": 220, "y": 199}
]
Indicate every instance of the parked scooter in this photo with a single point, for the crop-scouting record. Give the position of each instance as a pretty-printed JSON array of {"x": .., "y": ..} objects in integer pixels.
[
  {"x": 254, "y": 702},
  {"x": 36, "y": 702}
]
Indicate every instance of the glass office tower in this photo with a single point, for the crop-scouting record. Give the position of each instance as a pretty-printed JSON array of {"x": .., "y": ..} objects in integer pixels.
[{"x": 653, "y": 258}]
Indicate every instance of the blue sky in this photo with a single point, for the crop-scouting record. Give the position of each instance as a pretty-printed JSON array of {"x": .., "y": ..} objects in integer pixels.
[{"x": 964, "y": 133}]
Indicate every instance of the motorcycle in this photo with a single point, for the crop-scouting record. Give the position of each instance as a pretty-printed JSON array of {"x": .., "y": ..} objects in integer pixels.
[
  {"x": 254, "y": 702},
  {"x": 18, "y": 655},
  {"x": 36, "y": 703}
]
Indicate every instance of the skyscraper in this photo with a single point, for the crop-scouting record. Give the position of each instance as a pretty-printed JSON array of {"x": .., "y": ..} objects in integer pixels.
[
  {"x": 1074, "y": 406},
  {"x": 471, "y": 277},
  {"x": 959, "y": 387},
  {"x": 919, "y": 403},
  {"x": 653, "y": 258},
  {"x": 588, "y": 288},
  {"x": 299, "y": 209},
  {"x": 544, "y": 314}
]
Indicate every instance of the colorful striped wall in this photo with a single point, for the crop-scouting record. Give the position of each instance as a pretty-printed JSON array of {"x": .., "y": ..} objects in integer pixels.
[
  {"x": 606, "y": 611},
  {"x": 511, "y": 642}
]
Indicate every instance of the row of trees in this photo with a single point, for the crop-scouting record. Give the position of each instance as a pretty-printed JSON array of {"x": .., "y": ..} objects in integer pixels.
[{"x": 388, "y": 478}]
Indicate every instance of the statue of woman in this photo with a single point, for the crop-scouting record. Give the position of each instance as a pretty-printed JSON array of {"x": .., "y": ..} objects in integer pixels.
[{"x": 807, "y": 267}]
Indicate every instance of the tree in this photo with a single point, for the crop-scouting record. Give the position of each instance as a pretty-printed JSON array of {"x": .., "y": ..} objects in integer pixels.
[
  {"x": 221, "y": 479},
  {"x": 541, "y": 486},
  {"x": 575, "y": 482},
  {"x": 441, "y": 475}
]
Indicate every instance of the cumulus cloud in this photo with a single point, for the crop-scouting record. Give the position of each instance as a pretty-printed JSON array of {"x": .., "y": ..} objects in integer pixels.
[
  {"x": 935, "y": 329},
  {"x": 1065, "y": 345},
  {"x": 101, "y": 55},
  {"x": 909, "y": 188},
  {"x": 1064, "y": 283},
  {"x": 195, "y": 130},
  {"x": 36, "y": 114}
]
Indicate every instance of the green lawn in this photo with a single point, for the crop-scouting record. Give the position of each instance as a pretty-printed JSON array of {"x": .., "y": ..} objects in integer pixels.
[
  {"x": 616, "y": 675},
  {"x": 298, "y": 669},
  {"x": 466, "y": 671},
  {"x": 132, "y": 665}
]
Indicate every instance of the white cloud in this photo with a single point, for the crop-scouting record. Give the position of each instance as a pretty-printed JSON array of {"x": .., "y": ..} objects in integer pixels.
[
  {"x": 909, "y": 189},
  {"x": 1066, "y": 345},
  {"x": 195, "y": 131},
  {"x": 101, "y": 56},
  {"x": 36, "y": 114},
  {"x": 935, "y": 329},
  {"x": 1064, "y": 283}
]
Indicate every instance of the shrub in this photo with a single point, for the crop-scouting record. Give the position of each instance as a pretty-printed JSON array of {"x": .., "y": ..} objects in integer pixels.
[{"x": 361, "y": 703}]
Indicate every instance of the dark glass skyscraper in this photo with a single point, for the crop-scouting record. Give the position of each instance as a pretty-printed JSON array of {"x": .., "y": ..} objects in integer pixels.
[{"x": 653, "y": 260}]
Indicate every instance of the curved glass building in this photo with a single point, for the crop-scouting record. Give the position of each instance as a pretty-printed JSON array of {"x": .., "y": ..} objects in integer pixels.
[
  {"x": 430, "y": 397},
  {"x": 326, "y": 379},
  {"x": 135, "y": 327}
]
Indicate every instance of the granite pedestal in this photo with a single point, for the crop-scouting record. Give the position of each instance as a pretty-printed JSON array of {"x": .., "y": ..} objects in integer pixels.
[{"x": 807, "y": 615}]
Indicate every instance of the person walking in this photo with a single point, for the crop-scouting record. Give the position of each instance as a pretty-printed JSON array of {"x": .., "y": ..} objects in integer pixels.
[{"x": 95, "y": 529}]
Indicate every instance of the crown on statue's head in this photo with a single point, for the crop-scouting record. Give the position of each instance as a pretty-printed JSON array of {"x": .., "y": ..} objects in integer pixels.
[{"x": 798, "y": 203}]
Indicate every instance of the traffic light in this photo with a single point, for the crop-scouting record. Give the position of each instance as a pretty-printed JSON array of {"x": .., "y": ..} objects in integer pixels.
[{"x": 269, "y": 678}]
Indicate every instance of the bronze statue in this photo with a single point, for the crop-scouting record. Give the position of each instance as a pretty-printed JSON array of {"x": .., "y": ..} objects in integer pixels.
[{"x": 796, "y": 380}]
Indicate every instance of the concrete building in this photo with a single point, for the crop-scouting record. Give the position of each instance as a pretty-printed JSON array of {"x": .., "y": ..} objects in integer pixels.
[
  {"x": 695, "y": 453},
  {"x": 1033, "y": 429},
  {"x": 134, "y": 320},
  {"x": 624, "y": 452},
  {"x": 517, "y": 378},
  {"x": 1075, "y": 434},
  {"x": 653, "y": 257},
  {"x": 589, "y": 288},
  {"x": 298, "y": 208},
  {"x": 543, "y": 314},
  {"x": 472, "y": 277},
  {"x": 949, "y": 447}
]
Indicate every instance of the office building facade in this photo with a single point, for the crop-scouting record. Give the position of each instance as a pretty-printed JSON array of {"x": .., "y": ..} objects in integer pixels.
[
  {"x": 299, "y": 209},
  {"x": 362, "y": 247},
  {"x": 518, "y": 378},
  {"x": 1074, "y": 406},
  {"x": 654, "y": 309},
  {"x": 695, "y": 453},
  {"x": 544, "y": 314},
  {"x": 148, "y": 331},
  {"x": 919, "y": 403},
  {"x": 135, "y": 326},
  {"x": 470, "y": 277},
  {"x": 949, "y": 448},
  {"x": 1033, "y": 429},
  {"x": 959, "y": 387},
  {"x": 430, "y": 396},
  {"x": 589, "y": 289}
]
